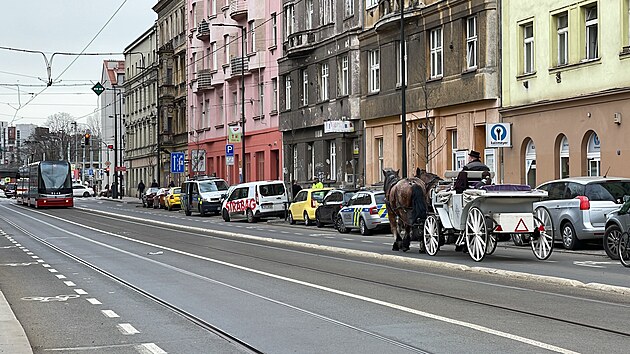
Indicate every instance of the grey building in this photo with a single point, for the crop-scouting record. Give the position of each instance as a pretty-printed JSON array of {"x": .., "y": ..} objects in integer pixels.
[{"x": 320, "y": 91}]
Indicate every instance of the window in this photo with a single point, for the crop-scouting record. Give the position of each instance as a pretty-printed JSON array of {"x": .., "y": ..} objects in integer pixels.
[
  {"x": 235, "y": 102},
  {"x": 399, "y": 72},
  {"x": 593, "y": 155},
  {"x": 226, "y": 48},
  {"x": 374, "y": 78},
  {"x": 274, "y": 95},
  {"x": 213, "y": 49},
  {"x": 349, "y": 8},
  {"x": 304, "y": 87},
  {"x": 295, "y": 162},
  {"x": 213, "y": 7},
  {"x": 562, "y": 23},
  {"x": 287, "y": 92},
  {"x": 471, "y": 42},
  {"x": 628, "y": 22},
  {"x": 261, "y": 99},
  {"x": 379, "y": 154},
  {"x": 221, "y": 110},
  {"x": 370, "y": 3},
  {"x": 309, "y": 14},
  {"x": 454, "y": 164},
  {"x": 436, "y": 53},
  {"x": 324, "y": 82},
  {"x": 344, "y": 78},
  {"x": 332, "y": 153},
  {"x": 590, "y": 14},
  {"x": 289, "y": 20},
  {"x": 252, "y": 37},
  {"x": 328, "y": 12},
  {"x": 274, "y": 24},
  {"x": 564, "y": 157},
  {"x": 310, "y": 172},
  {"x": 528, "y": 48}
]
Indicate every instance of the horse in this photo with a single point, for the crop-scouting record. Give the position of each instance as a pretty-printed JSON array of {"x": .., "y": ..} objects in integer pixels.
[{"x": 430, "y": 181}]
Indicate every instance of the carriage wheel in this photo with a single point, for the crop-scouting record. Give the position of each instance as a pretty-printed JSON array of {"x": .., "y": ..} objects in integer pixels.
[
  {"x": 431, "y": 235},
  {"x": 491, "y": 246},
  {"x": 476, "y": 234},
  {"x": 624, "y": 249},
  {"x": 542, "y": 246}
]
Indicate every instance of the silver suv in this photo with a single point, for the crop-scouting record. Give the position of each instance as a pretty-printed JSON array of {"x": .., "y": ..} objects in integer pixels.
[{"x": 576, "y": 207}]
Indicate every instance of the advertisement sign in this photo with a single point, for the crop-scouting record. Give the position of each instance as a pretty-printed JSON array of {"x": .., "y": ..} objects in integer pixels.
[
  {"x": 338, "y": 126},
  {"x": 234, "y": 134},
  {"x": 498, "y": 135},
  {"x": 198, "y": 160}
]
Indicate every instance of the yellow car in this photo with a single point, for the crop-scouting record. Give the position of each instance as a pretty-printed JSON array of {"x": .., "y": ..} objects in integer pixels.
[
  {"x": 303, "y": 206},
  {"x": 172, "y": 198}
]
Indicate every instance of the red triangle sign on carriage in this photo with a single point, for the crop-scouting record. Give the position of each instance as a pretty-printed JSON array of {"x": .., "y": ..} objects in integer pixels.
[{"x": 518, "y": 226}]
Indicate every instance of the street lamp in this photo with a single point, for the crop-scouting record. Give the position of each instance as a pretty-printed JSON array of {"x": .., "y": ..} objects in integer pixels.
[{"x": 243, "y": 33}]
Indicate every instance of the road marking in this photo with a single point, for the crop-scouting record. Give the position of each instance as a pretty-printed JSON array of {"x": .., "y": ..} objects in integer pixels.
[
  {"x": 17, "y": 244},
  {"x": 40, "y": 261},
  {"x": 59, "y": 276},
  {"x": 298, "y": 233},
  {"x": 284, "y": 232},
  {"x": 347, "y": 239},
  {"x": 149, "y": 348},
  {"x": 594, "y": 264},
  {"x": 364, "y": 241},
  {"x": 110, "y": 313},
  {"x": 329, "y": 237},
  {"x": 127, "y": 329},
  {"x": 61, "y": 298},
  {"x": 52, "y": 270},
  {"x": 80, "y": 291},
  {"x": 69, "y": 283},
  {"x": 34, "y": 257},
  {"x": 46, "y": 265},
  {"x": 93, "y": 301}
]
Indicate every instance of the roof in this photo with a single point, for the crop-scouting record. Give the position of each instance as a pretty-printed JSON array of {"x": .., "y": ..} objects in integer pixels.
[{"x": 589, "y": 179}]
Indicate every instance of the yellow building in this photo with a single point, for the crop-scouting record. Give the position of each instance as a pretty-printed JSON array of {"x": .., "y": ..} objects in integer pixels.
[{"x": 565, "y": 88}]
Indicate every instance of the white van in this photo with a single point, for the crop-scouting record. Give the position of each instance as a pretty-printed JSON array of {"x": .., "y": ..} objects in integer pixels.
[{"x": 255, "y": 200}]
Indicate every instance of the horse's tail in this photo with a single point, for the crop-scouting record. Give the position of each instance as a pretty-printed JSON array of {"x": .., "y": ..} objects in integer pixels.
[{"x": 418, "y": 203}]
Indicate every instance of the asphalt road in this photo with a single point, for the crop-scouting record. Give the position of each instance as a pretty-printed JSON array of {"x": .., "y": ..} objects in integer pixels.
[{"x": 285, "y": 289}]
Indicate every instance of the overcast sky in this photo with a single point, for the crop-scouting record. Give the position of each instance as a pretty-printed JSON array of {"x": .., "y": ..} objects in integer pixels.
[{"x": 53, "y": 26}]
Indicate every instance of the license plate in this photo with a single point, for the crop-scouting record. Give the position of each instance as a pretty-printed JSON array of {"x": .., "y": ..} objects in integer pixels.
[{"x": 266, "y": 206}]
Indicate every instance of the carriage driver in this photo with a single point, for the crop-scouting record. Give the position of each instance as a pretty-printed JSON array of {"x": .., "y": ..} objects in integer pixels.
[{"x": 474, "y": 164}]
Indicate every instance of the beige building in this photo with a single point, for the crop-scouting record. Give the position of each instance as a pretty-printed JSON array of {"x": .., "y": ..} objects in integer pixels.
[
  {"x": 452, "y": 91},
  {"x": 566, "y": 85}
]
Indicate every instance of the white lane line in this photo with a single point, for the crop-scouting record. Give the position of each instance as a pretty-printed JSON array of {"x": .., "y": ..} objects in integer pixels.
[
  {"x": 46, "y": 265},
  {"x": 30, "y": 253},
  {"x": 34, "y": 257},
  {"x": 40, "y": 261},
  {"x": 386, "y": 244},
  {"x": 93, "y": 301},
  {"x": 69, "y": 283},
  {"x": 284, "y": 232},
  {"x": 80, "y": 291},
  {"x": 329, "y": 237},
  {"x": 149, "y": 348},
  {"x": 364, "y": 241},
  {"x": 17, "y": 244},
  {"x": 298, "y": 233},
  {"x": 110, "y": 313},
  {"x": 52, "y": 270},
  {"x": 59, "y": 276},
  {"x": 347, "y": 239},
  {"x": 127, "y": 329}
]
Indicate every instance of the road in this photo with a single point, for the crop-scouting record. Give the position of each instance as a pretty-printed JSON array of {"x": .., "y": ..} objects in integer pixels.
[{"x": 100, "y": 277}]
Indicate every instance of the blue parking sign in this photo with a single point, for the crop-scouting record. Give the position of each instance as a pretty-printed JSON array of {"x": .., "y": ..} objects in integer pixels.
[
  {"x": 229, "y": 150},
  {"x": 177, "y": 162}
]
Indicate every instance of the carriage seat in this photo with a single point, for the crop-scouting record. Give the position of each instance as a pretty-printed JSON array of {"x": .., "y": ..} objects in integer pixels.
[
  {"x": 507, "y": 188},
  {"x": 472, "y": 175}
]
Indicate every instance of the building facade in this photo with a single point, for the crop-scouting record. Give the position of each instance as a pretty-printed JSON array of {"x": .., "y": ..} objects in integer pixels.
[
  {"x": 141, "y": 110},
  {"x": 172, "y": 34},
  {"x": 320, "y": 91},
  {"x": 233, "y": 79},
  {"x": 566, "y": 85},
  {"x": 451, "y": 69},
  {"x": 112, "y": 108}
]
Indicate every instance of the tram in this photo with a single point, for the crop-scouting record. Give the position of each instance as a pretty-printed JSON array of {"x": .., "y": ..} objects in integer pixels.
[{"x": 45, "y": 184}]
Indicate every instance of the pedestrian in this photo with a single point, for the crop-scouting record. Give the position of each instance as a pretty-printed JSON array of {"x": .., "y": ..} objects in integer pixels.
[
  {"x": 486, "y": 180},
  {"x": 317, "y": 184},
  {"x": 154, "y": 184},
  {"x": 171, "y": 184},
  {"x": 295, "y": 188},
  {"x": 141, "y": 187}
]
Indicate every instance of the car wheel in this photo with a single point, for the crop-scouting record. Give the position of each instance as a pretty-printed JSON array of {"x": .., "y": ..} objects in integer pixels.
[
  {"x": 144, "y": 204},
  {"x": 569, "y": 238},
  {"x": 201, "y": 211},
  {"x": 291, "y": 220},
  {"x": 307, "y": 221},
  {"x": 363, "y": 228},
  {"x": 86, "y": 194},
  {"x": 341, "y": 228},
  {"x": 250, "y": 216},
  {"x": 169, "y": 207},
  {"x": 225, "y": 215},
  {"x": 611, "y": 241},
  {"x": 317, "y": 221}
]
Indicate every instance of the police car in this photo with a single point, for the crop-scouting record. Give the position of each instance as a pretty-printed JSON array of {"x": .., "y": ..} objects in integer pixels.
[{"x": 365, "y": 211}]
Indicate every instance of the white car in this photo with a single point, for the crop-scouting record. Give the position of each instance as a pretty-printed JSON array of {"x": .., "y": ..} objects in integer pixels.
[
  {"x": 79, "y": 190},
  {"x": 2, "y": 194}
]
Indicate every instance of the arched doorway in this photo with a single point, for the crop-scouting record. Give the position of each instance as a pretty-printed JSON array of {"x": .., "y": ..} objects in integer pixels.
[
  {"x": 564, "y": 157},
  {"x": 593, "y": 155},
  {"x": 530, "y": 164}
]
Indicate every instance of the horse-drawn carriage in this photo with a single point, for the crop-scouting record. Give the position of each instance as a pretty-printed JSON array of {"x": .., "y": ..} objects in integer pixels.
[{"x": 476, "y": 219}]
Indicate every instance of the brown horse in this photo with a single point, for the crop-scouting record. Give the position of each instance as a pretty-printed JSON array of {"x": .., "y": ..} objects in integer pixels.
[{"x": 407, "y": 204}]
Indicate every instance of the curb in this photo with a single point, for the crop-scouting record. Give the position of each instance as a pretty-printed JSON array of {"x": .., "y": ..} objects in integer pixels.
[
  {"x": 13, "y": 339},
  {"x": 387, "y": 257}
]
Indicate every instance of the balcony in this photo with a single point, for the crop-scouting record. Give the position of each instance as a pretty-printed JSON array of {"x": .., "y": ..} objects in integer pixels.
[
  {"x": 300, "y": 43},
  {"x": 238, "y": 65},
  {"x": 204, "y": 80},
  {"x": 203, "y": 31},
  {"x": 166, "y": 48},
  {"x": 238, "y": 9}
]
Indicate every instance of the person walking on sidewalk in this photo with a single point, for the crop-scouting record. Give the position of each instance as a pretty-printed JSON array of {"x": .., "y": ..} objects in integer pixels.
[{"x": 140, "y": 189}]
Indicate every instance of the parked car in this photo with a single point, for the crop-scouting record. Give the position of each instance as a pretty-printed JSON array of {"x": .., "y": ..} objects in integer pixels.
[
  {"x": 576, "y": 207},
  {"x": 255, "y": 200},
  {"x": 305, "y": 203},
  {"x": 617, "y": 222},
  {"x": 365, "y": 211},
  {"x": 106, "y": 192},
  {"x": 79, "y": 190},
  {"x": 147, "y": 197},
  {"x": 327, "y": 211},
  {"x": 203, "y": 195},
  {"x": 172, "y": 198},
  {"x": 158, "y": 198},
  {"x": 2, "y": 194},
  {"x": 10, "y": 190}
]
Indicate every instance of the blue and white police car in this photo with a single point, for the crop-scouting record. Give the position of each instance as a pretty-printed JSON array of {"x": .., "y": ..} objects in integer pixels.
[{"x": 365, "y": 211}]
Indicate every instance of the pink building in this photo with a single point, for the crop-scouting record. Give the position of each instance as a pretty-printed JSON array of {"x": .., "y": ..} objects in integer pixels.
[{"x": 215, "y": 102}]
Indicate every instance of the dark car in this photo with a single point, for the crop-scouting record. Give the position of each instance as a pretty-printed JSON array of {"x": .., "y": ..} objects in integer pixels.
[
  {"x": 10, "y": 190},
  {"x": 329, "y": 208},
  {"x": 147, "y": 197}
]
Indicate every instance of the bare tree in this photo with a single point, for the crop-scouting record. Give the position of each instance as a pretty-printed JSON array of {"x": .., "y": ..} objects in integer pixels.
[
  {"x": 94, "y": 125},
  {"x": 60, "y": 125}
]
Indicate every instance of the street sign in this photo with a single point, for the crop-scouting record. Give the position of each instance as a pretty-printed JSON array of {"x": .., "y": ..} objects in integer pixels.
[
  {"x": 7, "y": 179},
  {"x": 91, "y": 172},
  {"x": 498, "y": 135},
  {"x": 229, "y": 160},
  {"x": 234, "y": 134},
  {"x": 177, "y": 162},
  {"x": 98, "y": 88},
  {"x": 229, "y": 150},
  {"x": 121, "y": 168},
  {"x": 107, "y": 163}
]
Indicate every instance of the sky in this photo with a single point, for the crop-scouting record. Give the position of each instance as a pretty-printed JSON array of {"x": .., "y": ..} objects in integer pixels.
[{"x": 58, "y": 26}]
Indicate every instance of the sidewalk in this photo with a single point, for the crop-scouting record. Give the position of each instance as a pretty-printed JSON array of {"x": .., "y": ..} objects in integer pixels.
[{"x": 12, "y": 337}]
